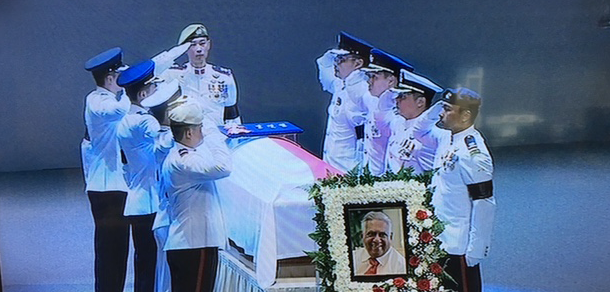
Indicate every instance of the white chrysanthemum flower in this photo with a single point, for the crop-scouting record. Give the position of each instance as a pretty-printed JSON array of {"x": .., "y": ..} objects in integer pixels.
[
  {"x": 413, "y": 241},
  {"x": 434, "y": 283},
  {"x": 411, "y": 283},
  {"x": 419, "y": 271},
  {"x": 413, "y": 233},
  {"x": 427, "y": 223},
  {"x": 429, "y": 249}
]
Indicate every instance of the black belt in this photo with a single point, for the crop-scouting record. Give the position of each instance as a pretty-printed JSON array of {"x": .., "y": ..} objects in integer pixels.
[{"x": 359, "y": 132}]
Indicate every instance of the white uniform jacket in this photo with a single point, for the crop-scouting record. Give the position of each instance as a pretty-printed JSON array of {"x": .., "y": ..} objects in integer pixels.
[
  {"x": 196, "y": 219},
  {"x": 391, "y": 263},
  {"x": 347, "y": 110},
  {"x": 102, "y": 157},
  {"x": 377, "y": 130},
  {"x": 212, "y": 86},
  {"x": 139, "y": 137},
  {"x": 406, "y": 151},
  {"x": 463, "y": 190},
  {"x": 165, "y": 142}
]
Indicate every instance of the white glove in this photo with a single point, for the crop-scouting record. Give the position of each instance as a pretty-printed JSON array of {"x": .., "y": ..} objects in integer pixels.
[
  {"x": 387, "y": 100},
  {"x": 471, "y": 262},
  {"x": 166, "y": 59},
  {"x": 435, "y": 110},
  {"x": 178, "y": 51},
  {"x": 328, "y": 59}
]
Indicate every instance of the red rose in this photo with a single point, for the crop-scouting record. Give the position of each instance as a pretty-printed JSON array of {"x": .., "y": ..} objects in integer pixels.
[
  {"x": 421, "y": 215},
  {"x": 414, "y": 261},
  {"x": 436, "y": 268},
  {"x": 378, "y": 289},
  {"x": 426, "y": 237},
  {"x": 399, "y": 282},
  {"x": 423, "y": 284}
]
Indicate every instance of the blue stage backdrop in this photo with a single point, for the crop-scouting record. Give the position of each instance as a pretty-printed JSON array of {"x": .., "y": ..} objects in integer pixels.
[{"x": 541, "y": 66}]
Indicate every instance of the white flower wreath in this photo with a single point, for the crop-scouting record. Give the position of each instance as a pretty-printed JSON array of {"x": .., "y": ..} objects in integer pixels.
[{"x": 424, "y": 270}]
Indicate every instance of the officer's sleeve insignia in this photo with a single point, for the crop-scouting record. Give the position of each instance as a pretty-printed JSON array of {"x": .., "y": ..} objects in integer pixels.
[
  {"x": 183, "y": 152},
  {"x": 225, "y": 71},
  {"x": 471, "y": 144}
]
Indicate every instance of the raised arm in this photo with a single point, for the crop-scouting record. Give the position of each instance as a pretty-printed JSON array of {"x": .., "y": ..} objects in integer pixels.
[
  {"x": 110, "y": 107},
  {"x": 326, "y": 71},
  {"x": 211, "y": 160},
  {"x": 425, "y": 130}
]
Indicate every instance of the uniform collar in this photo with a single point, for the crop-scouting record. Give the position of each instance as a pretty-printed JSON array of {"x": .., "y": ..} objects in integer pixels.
[
  {"x": 104, "y": 90},
  {"x": 134, "y": 109},
  {"x": 355, "y": 77},
  {"x": 197, "y": 71},
  {"x": 462, "y": 134},
  {"x": 182, "y": 146},
  {"x": 408, "y": 122}
]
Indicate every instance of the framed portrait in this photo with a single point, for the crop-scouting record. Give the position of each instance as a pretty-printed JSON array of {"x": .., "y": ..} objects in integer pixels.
[
  {"x": 377, "y": 241},
  {"x": 378, "y": 232}
]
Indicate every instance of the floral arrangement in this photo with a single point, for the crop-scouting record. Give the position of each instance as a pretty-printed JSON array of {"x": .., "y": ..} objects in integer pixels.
[{"x": 424, "y": 272}]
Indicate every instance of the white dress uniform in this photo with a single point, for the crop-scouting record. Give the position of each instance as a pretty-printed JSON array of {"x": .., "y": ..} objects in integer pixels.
[
  {"x": 404, "y": 150},
  {"x": 212, "y": 86},
  {"x": 140, "y": 137},
  {"x": 463, "y": 166},
  {"x": 161, "y": 224},
  {"x": 347, "y": 110},
  {"x": 165, "y": 143},
  {"x": 377, "y": 130},
  {"x": 194, "y": 206},
  {"x": 104, "y": 169},
  {"x": 391, "y": 263}
]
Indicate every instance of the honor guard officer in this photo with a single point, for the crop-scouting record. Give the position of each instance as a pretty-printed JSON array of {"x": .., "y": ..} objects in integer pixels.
[
  {"x": 212, "y": 86},
  {"x": 159, "y": 107},
  {"x": 339, "y": 72},
  {"x": 384, "y": 73},
  {"x": 106, "y": 187},
  {"x": 139, "y": 134},
  {"x": 463, "y": 194},
  {"x": 199, "y": 157},
  {"x": 415, "y": 94}
]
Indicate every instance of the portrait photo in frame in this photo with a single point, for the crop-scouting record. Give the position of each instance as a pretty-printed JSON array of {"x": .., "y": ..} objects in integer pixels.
[
  {"x": 377, "y": 240},
  {"x": 343, "y": 201}
]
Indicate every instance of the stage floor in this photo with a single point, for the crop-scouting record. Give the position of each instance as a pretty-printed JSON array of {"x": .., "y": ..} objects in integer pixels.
[{"x": 551, "y": 229}]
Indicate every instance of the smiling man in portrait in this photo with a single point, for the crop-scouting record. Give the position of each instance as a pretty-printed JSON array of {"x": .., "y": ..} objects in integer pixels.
[{"x": 378, "y": 257}]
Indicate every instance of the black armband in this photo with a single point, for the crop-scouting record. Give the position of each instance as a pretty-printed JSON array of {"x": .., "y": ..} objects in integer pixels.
[
  {"x": 481, "y": 191},
  {"x": 231, "y": 112},
  {"x": 359, "y": 132}
]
